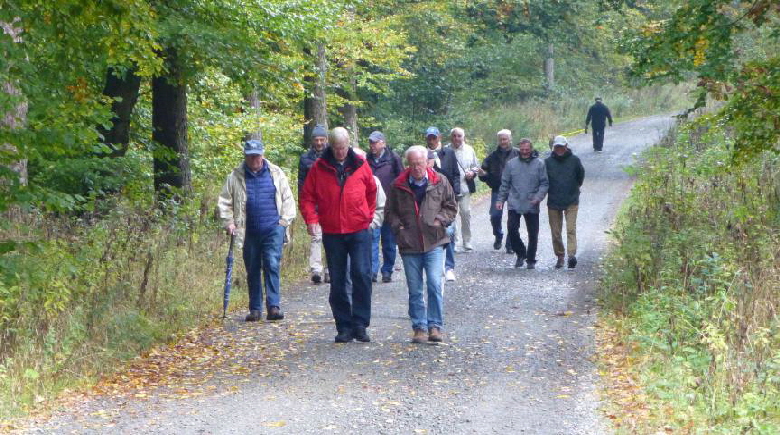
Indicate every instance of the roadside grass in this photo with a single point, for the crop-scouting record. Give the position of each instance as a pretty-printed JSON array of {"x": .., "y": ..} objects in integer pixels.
[
  {"x": 690, "y": 333},
  {"x": 541, "y": 120},
  {"x": 89, "y": 296}
]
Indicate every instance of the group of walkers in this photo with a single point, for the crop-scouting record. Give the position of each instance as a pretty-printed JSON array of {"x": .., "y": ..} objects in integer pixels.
[{"x": 354, "y": 202}]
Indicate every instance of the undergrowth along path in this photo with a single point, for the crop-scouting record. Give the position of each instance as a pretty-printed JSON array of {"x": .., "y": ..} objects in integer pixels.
[{"x": 518, "y": 355}]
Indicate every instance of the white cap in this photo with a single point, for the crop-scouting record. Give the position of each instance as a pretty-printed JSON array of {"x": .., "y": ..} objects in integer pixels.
[{"x": 560, "y": 141}]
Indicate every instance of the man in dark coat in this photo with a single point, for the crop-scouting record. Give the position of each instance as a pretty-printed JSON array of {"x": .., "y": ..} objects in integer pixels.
[
  {"x": 490, "y": 173},
  {"x": 598, "y": 114},
  {"x": 386, "y": 166},
  {"x": 565, "y": 174},
  {"x": 446, "y": 163},
  {"x": 319, "y": 141}
]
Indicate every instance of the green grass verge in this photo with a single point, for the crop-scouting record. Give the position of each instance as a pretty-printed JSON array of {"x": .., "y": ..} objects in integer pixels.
[{"x": 690, "y": 286}]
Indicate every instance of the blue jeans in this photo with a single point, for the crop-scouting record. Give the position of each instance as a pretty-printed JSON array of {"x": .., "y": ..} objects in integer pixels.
[
  {"x": 414, "y": 266},
  {"x": 449, "y": 262},
  {"x": 353, "y": 249},
  {"x": 263, "y": 254},
  {"x": 375, "y": 233},
  {"x": 389, "y": 249}
]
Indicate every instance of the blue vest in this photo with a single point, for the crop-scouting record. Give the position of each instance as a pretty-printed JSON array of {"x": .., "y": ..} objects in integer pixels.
[{"x": 261, "y": 213}]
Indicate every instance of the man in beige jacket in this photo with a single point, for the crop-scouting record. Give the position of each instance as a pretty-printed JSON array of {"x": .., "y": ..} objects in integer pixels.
[{"x": 256, "y": 206}]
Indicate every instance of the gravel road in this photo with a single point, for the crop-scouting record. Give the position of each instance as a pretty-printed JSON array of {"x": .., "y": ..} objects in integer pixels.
[{"x": 517, "y": 358}]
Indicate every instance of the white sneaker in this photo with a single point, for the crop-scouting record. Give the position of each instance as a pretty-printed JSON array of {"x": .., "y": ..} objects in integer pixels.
[
  {"x": 450, "y": 275},
  {"x": 468, "y": 248}
]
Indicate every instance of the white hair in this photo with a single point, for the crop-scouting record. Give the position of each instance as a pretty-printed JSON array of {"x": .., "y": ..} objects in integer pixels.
[
  {"x": 458, "y": 130},
  {"x": 505, "y": 132},
  {"x": 416, "y": 149},
  {"x": 339, "y": 135}
]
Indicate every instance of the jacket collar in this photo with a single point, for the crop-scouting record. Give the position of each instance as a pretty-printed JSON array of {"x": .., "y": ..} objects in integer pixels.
[
  {"x": 351, "y": 163},
  {"x": 403, "y": 180}
]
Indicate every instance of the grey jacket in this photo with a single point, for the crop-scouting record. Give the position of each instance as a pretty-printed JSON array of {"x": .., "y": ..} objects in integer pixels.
[{"x": 522, "y": 181}]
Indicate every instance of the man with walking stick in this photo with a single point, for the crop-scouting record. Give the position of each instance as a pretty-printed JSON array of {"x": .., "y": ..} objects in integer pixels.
[{"x": 256, "y": 206}]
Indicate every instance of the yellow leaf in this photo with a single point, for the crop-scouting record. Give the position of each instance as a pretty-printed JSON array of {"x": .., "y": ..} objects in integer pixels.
[{"x": 280, "y": 423}]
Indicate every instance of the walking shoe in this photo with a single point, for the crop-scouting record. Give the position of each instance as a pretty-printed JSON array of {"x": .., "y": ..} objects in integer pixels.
[
  {"x": 419, "y": 336},
  {"x": 387, "y": 277},
  {"x": 559, "y": 263},
  {"x": 361, "y": 335},
  {"x": 468, "y": 248},
  {"x": 254, "y": 316},
  {"x": 572, "y": 262},
  {"x": 373, "y": 277},
  {"x": 344, "y": 336},
  {"x": 519, "y": 262},
  {"x": 434, "y": 334},
  {"x": 531, "y": 265},
  {"x": 274, "y": 313},
  {"x": 509, "y": 250},
  {"x": 316, "y": 278},
  {"x": 449, "y": 275},
  {"x": 497, "y": 243}
]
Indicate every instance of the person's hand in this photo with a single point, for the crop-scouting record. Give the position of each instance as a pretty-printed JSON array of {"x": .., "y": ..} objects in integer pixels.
[
  {"x": 469, "y": 175},
  {"x": 481, "y": 171},
  {"x": 535, "y": 201},
  {"x": 437, "y": 223},
  {"x": 312, "y": 229},
  {"x": 499, "y": 205},
  {"x": 231, "y": 229}
]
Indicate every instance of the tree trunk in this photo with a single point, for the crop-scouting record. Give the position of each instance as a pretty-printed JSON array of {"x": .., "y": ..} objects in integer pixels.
[
  {"x": 549, "y": 68},
  {"x": 349, "y": 112},
  {"x": 125, "y": 85},
  {"x": 253, "y": 101},
  {"x": 16, "y": 118},
  {"x": 314, "y": 107},
  {"x": 169, "y": 123}
]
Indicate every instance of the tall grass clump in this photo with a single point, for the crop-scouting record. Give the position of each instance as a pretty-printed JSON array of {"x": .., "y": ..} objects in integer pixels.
[
  {"x": 541, "y": 119},
  {"x": 86, "y": 296},
  {"x": 692, "y": 282}
]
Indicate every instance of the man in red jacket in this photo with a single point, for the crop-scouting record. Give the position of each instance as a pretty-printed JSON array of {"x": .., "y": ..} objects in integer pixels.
[{"x": 339, "y": 197}]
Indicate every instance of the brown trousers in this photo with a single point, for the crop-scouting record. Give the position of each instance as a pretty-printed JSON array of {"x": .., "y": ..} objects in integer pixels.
[{"x": 556, "y": 218}]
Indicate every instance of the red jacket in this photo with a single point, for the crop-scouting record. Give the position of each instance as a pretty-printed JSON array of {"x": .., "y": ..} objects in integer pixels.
[{"x": 339, "y": 207}]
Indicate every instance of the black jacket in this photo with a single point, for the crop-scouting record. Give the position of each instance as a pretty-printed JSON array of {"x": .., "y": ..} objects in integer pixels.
[
  {"x": 449, "y": 168},
  {"x": 598, "y": 114},
  {"x": 494, "y": 166},
  {"x": 387, "y": 168},
  {"x": 565, "y": 174},
  {"x": 304, "y": 164}
]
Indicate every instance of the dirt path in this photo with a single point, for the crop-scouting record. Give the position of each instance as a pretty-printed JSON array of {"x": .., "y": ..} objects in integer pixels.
[{"x": 518, "y": 356}]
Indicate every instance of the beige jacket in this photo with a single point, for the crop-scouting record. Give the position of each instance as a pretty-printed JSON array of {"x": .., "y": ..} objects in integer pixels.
[
  {"x": 379, "y": 213},
  {"x": 232, "y": 200}
]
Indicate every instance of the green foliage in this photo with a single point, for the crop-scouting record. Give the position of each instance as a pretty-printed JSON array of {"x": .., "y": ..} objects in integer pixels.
[
  {"x": 694, "y": 272},
  {"x": 708, "y": 39}
]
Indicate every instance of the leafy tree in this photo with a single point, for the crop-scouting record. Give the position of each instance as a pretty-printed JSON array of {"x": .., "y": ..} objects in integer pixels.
[{"x": 702, "y": 38}]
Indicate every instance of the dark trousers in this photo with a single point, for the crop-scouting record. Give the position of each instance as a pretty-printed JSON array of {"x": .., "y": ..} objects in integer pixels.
[
  {"x": 262, "y": 257},
  {"x": 598, "y": 138},
  {"x": 532, "y": 225},
  {"x": 349, "y": 311},
  {"x": 496, "y": 216}
]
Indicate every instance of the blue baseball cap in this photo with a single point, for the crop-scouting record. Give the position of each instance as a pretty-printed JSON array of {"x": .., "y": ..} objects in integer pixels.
[
  {"x": 254, "y": 146},
  {"x": 432, "y": 131},
  {"x": 376, "y": 136}
]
